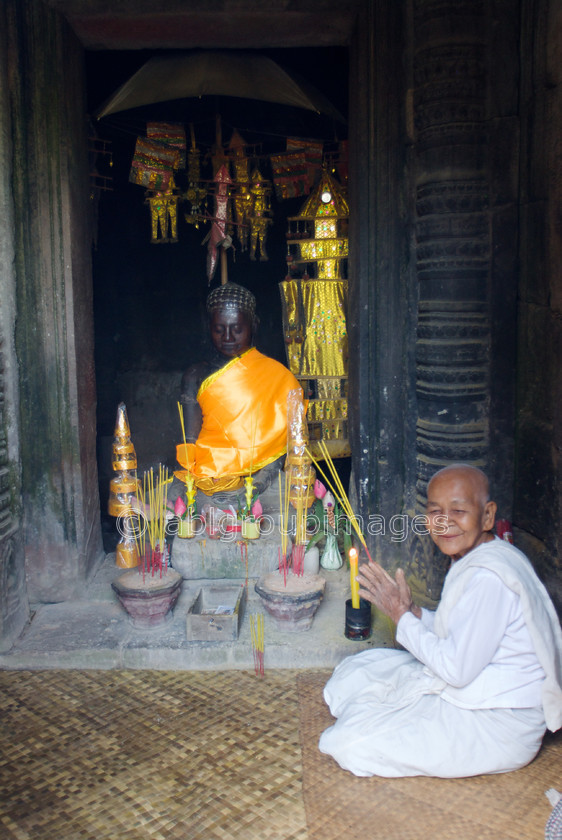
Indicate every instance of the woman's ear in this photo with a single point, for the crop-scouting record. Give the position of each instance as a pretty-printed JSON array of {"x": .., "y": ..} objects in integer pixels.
[{"x": 489, "y": 515}]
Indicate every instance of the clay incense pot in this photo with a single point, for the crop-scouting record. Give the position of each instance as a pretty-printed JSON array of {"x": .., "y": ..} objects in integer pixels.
[
  {"x": 149, "y": 602},
  {"x": 293, "y": 602}
]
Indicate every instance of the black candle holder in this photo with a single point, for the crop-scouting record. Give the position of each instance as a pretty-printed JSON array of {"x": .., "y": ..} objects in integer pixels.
[{"x": 358, "y": 623}]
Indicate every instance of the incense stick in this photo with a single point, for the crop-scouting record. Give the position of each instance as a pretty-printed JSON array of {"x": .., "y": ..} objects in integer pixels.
[
  {"x": 339, "y": 494},
  {"x": 244, "y": 555},
  {"x": 283, "y": 513},
  {"x": 287, "y": 502},
  {"x": 257, "y": 634},
  {"x": 189, "y": 480},
  {"x": 254, "y": 425},
  {"x": 153, "y": 497}
]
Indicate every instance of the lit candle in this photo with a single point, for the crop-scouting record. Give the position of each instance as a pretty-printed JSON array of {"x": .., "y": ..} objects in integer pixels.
[{"x": 353, "y": 571}]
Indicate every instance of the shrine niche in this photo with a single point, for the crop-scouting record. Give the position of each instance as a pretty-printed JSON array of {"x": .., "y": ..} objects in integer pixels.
[
  {"x": 314, "y": 298},
  {"x": 232, "y": 175}
]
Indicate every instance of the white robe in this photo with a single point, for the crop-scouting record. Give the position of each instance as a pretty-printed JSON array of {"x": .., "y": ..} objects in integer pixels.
[{"x": 476, "y": 692}]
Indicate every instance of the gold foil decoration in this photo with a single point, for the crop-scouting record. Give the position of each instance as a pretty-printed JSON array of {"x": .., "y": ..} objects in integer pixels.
[
  {"x": 171, "y": 135},
  {"x": 315, "y": 206},
  {"x": 123, "y": 489},
  {"x": 314, "y": 296},
  {"x": 317, "y": 308},
  {"x": 243, "y": 198},
  {"x": 261, "y": 212},
  {"x": 300, "y": 474},
  {"x": 163, "y": 214}
]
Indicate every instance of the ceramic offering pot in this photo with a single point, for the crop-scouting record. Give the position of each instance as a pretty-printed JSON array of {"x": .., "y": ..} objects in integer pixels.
[
  {"x": 186, "y": 529},
  {"x": 331, "y": 558},
  {"x": 250, "y": 529},
  {"x": 311, "y": 562},
  {"x": 293, "y": 602},
  {"x": 149, "y": 602}
]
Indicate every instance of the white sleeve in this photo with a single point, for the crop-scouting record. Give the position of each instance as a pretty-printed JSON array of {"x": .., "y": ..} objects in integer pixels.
[
  {"x": 427, "y": 618},
  {"x": 476, "y": 627}
]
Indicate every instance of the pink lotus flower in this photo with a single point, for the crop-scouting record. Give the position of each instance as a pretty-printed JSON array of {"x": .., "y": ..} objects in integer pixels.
[
  {"x": 319, "y": 489},
  {"x": 180, "y": 508},
  {"x": 257, "y": 509}
]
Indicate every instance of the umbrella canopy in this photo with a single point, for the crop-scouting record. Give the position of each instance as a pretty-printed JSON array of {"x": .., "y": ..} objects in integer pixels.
[{"x": 219, "y": 73}]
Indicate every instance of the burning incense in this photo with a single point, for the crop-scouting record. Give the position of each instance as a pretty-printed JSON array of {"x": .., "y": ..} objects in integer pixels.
[
  {"x": 339, "y": 493},
  {"x": 153, "y": 498},
  {"x": 190, "y": 488},
  {"x": 283, "y": 514},
  {"x": 302, "y": 504},
  {"x": 257, "y": 634}
]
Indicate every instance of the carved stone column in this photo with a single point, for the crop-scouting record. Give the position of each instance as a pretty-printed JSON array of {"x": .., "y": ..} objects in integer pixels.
[
  {"x": 453, "y": 247},
  {"x": 452, "y": 242}
]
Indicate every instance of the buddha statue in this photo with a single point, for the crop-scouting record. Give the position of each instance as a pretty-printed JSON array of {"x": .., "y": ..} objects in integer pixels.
[{"x": 234, "y": 402}]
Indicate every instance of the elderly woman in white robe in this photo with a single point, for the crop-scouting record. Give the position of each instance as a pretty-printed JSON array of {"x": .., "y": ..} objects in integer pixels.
[{"x": 480, "y": 678}]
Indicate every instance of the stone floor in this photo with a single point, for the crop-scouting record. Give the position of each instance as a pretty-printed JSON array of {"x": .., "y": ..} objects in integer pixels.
[{"x": 95, "y": 632}]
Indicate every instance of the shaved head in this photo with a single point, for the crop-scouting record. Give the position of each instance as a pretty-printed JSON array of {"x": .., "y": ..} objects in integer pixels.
[{"x": 466, "y": 472}]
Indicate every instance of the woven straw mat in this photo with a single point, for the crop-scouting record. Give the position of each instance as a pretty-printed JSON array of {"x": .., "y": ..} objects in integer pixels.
[
  {"x": 507, "y": 806},
  {"x": 150, "y": 755}
]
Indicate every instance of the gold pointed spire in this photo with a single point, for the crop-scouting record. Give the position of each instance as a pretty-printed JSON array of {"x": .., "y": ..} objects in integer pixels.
[
  {"x": 124, "y": 456},
  {"x": 123, "y": 488},
  {"x": 122, "y": 428}
]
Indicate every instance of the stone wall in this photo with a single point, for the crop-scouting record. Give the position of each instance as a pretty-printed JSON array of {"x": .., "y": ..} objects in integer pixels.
[
  {"x": 53, "y": 336},
  {"x": 538, "y": 495},
  {"x": 14, "y": 609}
]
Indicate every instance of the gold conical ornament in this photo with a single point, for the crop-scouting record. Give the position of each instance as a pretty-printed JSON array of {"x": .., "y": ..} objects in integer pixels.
[
  {"x": 123, "y": 456},
  {"x": 123, "y": 489}
]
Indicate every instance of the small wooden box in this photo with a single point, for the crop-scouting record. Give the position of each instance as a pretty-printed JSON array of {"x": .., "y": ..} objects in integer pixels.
[{"x": 216, "y": 613}]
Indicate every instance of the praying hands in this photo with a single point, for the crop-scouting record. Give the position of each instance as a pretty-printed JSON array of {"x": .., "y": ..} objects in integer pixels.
[{"x": 390, "y": 595}]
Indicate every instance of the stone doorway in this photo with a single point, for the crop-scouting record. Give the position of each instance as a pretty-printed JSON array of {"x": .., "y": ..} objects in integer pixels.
[
  {"x": 404, "y": 105},
  {"x": 149, "y": 315}
]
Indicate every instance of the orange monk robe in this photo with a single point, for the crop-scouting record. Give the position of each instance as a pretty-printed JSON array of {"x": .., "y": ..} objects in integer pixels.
[{"x": 244, "y": 407}]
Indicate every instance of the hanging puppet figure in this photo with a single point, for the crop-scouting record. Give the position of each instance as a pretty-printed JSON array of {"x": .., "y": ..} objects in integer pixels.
[
  {"x": 196, "y": 192},
  {"x": 261, "y": 212},
  {"x": 218, "y": 236},
  {"x": 163, "y": 213},
  {"x": 242, "y": 195}
]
